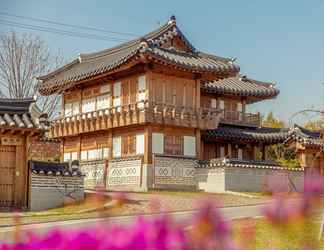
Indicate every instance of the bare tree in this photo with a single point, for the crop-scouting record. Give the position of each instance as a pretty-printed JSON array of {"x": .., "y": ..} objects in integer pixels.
[{"x": 22, "y": 59}]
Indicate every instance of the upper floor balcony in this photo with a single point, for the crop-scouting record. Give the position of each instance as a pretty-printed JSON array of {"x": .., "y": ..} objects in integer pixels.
[
  {"x": 240, "y": 118},
  {"x": 135, "y": 113}
]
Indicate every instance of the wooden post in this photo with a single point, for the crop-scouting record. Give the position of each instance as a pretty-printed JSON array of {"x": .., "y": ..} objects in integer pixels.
[
  {"x": 263, "y": 152},
  {"x": 199, "y": 154},
  {"x": 148, "y": 145}
]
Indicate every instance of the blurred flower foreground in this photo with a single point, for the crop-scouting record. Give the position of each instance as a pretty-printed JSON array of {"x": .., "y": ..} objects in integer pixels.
[{"x": 290, "y": 217}]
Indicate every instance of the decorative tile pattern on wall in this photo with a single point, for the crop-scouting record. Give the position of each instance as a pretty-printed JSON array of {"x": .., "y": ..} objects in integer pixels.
[
  {"x": 94, "y": 173},
  {"x": 174, "y": 171},
  {"x": 124, "y": 173}
]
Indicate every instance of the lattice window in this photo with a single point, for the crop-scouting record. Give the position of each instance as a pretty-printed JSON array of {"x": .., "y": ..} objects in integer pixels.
[
  {"x": 173, "y": 144},
  {"x": 168, "y": 144},
  {"x": 178, "y": 145}
]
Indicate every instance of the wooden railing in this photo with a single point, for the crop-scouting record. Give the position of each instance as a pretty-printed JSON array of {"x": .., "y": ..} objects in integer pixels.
[
  {"x": 240, "y": 118},
  {"x": 135, "y": 113}
]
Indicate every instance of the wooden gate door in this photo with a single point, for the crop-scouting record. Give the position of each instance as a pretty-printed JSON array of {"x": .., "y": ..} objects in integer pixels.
[{"x": 7, "y": 175}]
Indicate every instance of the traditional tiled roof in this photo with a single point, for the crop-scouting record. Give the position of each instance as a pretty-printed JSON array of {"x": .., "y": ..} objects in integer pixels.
[
  {"x": 305, "y": 137},
  {"x": 52, "y": 168},
  {"x": 232, "y": 162},
  {"x": 241, "y": 86},
  {"x": 21, "y": 113},
  {"x": 150, "y": 46},
  {"x": 231, "y": 133}
]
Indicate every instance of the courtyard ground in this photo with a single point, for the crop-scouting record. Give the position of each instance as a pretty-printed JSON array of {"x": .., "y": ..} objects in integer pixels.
[{"x": 106, "y": 204}]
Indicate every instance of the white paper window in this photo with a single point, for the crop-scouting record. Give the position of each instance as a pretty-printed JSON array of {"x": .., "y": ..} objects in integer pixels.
[
  {"x": 141, "y": 98},
  {"x": 222, "y": 151},
  {"x": 75, "y": 108},
  {"x": 84, "y": 155},
  {"x": 189, "y": 146},
  {"x": 157, "y": 143},
  {"x": 67, "y": 110},
  {"x": 221, "y": 104},
  {"x": 117, "y": 146},
  {"x": 117, "y": 89},
  {"x": 213, "y": 103},
  {"x": 103, "y": 102},
  {"x": 93, "y": 154},
  {"x": 105, "y": 89},
  {"x": 140, "y": 144},
  {"x": 141, "y": 95},
  {"x": 105, "y": 153},
  {"x": 66, "y": 157},
  {"x": 88, "y": 105},
  {"x": 141, "y": 83},
  {"x": 239, "y": 107},
  {"x": 74, "y": 156},
  {"x": 240, "y": 154},
  {"x": 116, "y": 102}
]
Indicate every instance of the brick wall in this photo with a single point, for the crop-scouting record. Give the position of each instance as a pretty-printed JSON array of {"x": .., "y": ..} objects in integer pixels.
[
  {"x": 173, "y": 172},
  {"x": 125, "y": 174},
  {"x": 94, "y": 172},
  {"x": 44, "y": 150},
  {"x": 49, "y": 191}
]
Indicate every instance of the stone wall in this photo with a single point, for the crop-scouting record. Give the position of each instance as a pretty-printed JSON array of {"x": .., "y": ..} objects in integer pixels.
[
  {"x": 263, "y": 180},
  {"x": 211, "y": 180},
  {"x": 125, "y": 174},
  {"x": 49, "y": 191},
  {"x": 240, "y": 179},
  {"x": 94, "y": 172},
  {"x": 174, "y": 172}
]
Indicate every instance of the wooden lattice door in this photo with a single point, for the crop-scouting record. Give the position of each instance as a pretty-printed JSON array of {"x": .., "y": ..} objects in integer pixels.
[{"x": 7, "y": 175}]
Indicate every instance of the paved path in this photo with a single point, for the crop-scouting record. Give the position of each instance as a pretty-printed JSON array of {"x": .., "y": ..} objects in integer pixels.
[{"x": 181, "y": 217}]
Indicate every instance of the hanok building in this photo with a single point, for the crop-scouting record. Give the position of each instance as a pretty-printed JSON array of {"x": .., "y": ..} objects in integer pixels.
[
  {"x": 20, "y": 122},
  {"x": 137, "y": 114},
  {"x": 309, "y": 146}
]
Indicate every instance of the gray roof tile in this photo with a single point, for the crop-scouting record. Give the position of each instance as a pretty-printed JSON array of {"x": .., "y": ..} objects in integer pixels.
[
  {"x": 21, "y": 113},
  {"x": 241, "y": 86},
  {"x": 231, "y": 133},
  {"x": 87, "y": 65}
]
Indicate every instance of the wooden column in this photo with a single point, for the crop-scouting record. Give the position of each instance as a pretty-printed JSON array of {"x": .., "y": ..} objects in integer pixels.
[
  {"x": 197, "y": 93},
  {"x": 20, "y": 174},
  {"x": 199, "y": 154},
  {"x": 229, "y": 150},
  {"x": 263, "y": 152},
  {"x": 148, "y": 145},
  {"x": 110, "y": 144}
]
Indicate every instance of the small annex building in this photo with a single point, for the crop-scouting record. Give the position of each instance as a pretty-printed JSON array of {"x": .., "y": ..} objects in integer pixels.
[
  {"x": 26, "y": 183},
  {"x": 20, "y": 122}
]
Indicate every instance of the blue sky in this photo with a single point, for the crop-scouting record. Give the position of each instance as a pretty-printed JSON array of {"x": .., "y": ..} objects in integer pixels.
[{"x": 279, "y": 41}]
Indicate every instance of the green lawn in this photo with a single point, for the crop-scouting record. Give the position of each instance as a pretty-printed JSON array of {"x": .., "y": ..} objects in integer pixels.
[{"x": 261, "y": 235}]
